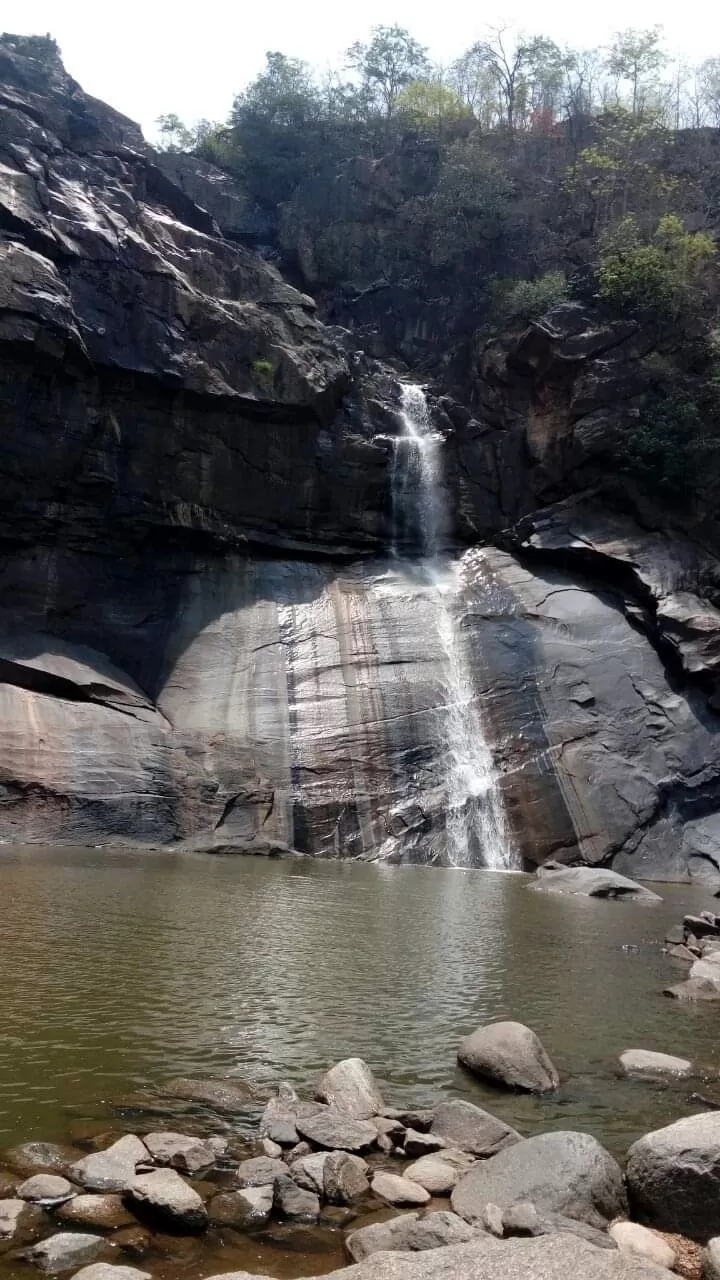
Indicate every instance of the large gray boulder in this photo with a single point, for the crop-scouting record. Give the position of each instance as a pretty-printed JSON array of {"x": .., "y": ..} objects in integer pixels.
[
  {"x": 350, "y": 1087},
  {"x": 468, "y": 1127},
  {"x": 112, "y": 1169},
  {"x": 165, "y": 1196},
  {"x": 673, "y": 1176},
  {"x": 337, "y": 1131},
  {"x": 562, "y": 1172},
  {"x": 591, "y": 882},
  {"x": 409, "y": 1232},
  {"x": 510, "y": 1054},
  {"x": 485, "y": 1258},
  {"x": 654, "y": 1066},
  {"x": 344, "y": 1178}
]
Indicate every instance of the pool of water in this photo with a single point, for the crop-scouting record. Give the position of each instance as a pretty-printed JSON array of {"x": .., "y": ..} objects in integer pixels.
[{"x": 121, "y": 969}]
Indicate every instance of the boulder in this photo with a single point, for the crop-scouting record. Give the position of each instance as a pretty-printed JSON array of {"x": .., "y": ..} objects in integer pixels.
[
  {"x": 439, "y": 1173},
  {"x": 675, "y": 936},
  {"x": 19, "y": 1221},
  {"x": 344, "y": 1178},
  {"x": 509, "y": 1054},
  {"x": 637, "y": 1241},
  {"x": 398, "y": 1190},
  {"x": 409, "y": 1232},
  {"x": 244, "y": 1210},
  {"x": 592, "y": 882},
  {"x": 277, "y": 1123},
  {"x": 700, "y": 926},
  {"x": 422, "y": 1144},
  {"x": 694, "y": 991},
  {"x": 418, "y": 1118},
  {"x": 711, "y": 1269},
  {"x": 183, "y": 1152},
  {"x": 553, "y": 1257},
  {"x": 112, "y": 1169},
  {"x": 166, "y": 1197},
  {"x": 523, "y": 1219},
  {"x": 673, "y": 1176},
  {"x": 350, "y": 1087},
  {"x": 294, "y": 1202},
  {"x": 65, "y": 1251},
  {"x": 680, "y": 952},
  {"x": 562, "y": 1172},
  {"x": 707, "y": 969},
  {"x": 260, "y": 1171},
  {"x": 227, "y": 1096},
  {"x": 468, "y": 1127},
  {"x": 642, "y": 1062},
  {"x": 309, "y": 1171},
  {"x": 46, "y": 1188},
  {"x": 109, "y": 1271},
  {"x": 272, "y": 1149},
  {"x": 102, "y": 1212},
  {"x": 337, "y": 1131},
  {"x": 39, "y": 1157}
]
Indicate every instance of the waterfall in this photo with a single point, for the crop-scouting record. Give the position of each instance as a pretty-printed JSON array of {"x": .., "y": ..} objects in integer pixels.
[{"x": 476, "y": 827}]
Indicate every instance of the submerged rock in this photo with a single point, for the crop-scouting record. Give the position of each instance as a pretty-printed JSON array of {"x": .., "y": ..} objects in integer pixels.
[
  {"x": 40, "y": 1157},
  {"x": 19, "y": 1221},
  {"x": 591, "y": 882},
  {"x": 561, "y": 1172},
  {"x": 109, "y": 1271},
  {"x": 510, "y": 1054},
  {"x": 468, "y": 1127},
  {"x": 230, "y": 1095},
  {"x": 245, "y": 1210},
  {"x": 350, "y": 1087},
  {"x": 642, "y": 1062},
  {"x": 673, "y": 1176}
]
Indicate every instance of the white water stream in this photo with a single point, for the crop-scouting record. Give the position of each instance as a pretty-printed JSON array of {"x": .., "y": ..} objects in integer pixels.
[{"x": 476, "y": 826}]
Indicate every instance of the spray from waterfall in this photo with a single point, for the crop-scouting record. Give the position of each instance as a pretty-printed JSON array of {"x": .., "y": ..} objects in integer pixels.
[{"x": 476, "y": 827}]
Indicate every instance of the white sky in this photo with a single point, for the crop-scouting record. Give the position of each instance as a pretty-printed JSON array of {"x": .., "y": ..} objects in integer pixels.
[{"x": 146, "y": 57}]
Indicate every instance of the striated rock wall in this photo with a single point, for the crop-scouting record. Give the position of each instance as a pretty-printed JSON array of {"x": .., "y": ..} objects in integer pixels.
[{"x": 203, "y": 637}]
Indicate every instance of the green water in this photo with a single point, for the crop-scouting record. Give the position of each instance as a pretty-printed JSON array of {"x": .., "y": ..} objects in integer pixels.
[{"x": 120, "y": 970}]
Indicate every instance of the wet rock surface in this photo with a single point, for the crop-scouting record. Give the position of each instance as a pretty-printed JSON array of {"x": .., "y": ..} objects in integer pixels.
[{"x": 510, "y": 1054}]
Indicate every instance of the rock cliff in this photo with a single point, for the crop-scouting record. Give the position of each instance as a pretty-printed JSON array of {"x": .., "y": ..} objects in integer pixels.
[{"x": 204, "y": 639}]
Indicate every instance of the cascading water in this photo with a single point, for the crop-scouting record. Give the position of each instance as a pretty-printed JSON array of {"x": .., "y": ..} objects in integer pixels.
[{"x": 475, "y": 825}]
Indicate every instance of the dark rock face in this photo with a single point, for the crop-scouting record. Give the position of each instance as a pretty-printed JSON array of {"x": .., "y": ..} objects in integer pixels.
[{"x": 202, "y": 640}]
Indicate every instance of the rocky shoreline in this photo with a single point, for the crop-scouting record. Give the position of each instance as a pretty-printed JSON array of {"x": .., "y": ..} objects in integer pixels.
[{"x": 449, "y": 1190}]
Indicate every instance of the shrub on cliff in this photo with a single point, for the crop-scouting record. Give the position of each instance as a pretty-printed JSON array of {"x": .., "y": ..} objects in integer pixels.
[{"x": 661, "y": 275}]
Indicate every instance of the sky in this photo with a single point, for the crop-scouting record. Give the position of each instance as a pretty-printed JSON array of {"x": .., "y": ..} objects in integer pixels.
[{"x": 148, "y": 57}]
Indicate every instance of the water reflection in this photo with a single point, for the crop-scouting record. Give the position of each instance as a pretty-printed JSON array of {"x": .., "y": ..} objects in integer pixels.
[{"x": 122, "y": 969}]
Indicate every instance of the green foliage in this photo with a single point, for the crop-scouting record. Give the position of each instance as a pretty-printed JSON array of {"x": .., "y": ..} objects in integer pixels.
[
  {"x": 430, "y": 105},
  {"x": 390, "y": 61},
  {"x": 525, "y": 300},
  {"x": 663, "y": 275},
  {"x": 263, "y": 368},
  {"x": 674, "y": 442}
]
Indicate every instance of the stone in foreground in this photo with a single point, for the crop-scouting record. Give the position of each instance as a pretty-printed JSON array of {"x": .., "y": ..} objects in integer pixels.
[
  {"x": 468, "y": 1127},
  {"x": 633, "y": 1239},
  {"x": 294, "y": 1203},
  {"x": 259, "y": 1171},
  {"x": 398, "y": 1190},
  {"x": 112, "y": 1169},
  {"x": 509, "y": 1054},
  {"x": 19, "y": 1221},
  {"x": 309, "y": 1171},
  {"x": 439, "y": 1173},
  {"x": 641, "y": 1062},
  {"x": 409, "y": 1232},
  {"x": 673, "y": 1176},
  {"x": 592, "y": 882},
  {"x": 554, "y": 1257},
  {"x": 350, "y": 1087},
  {"x": 64, "y": 1251},
  {"x": 108, "y": 1271},
  {"x": 562, "y": 1172},
  {"x": 101, "y": 1212},
  {"x": 183, "y": 1152},
  {"x": 167, "y": 1197},
  {"x": 711, "y": 1269},
  {"x": 46, "y": 1187},
  {"x": 333, "y": 1129},
  {"x": 39, "y": 1157},
  {"x": 344, "y": 1178},
  {"x": 693, "y": 991}
]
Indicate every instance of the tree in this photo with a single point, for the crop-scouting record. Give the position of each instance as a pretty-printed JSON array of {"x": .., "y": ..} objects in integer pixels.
[
  {"x": 527, "y": 76},
  {"x": 430, "y": 105},
  {"x": 173, "y": 133},
  {"x": 388, "y": 63},
  {"x": 636, "y": 56},
  {"x": 660, "y": 276},
  {"x": 709, "y": 88}
]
